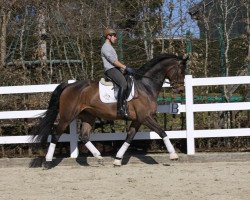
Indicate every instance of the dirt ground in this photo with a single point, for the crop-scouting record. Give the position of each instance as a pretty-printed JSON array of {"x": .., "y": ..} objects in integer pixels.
[{"x": 141, "y": 181}]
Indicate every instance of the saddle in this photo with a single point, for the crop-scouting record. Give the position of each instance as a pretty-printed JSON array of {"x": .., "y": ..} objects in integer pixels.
[{"x": 108, "y": 90}]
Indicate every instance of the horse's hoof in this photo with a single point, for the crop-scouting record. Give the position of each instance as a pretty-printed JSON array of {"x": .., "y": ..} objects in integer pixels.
[
  {"x": 47, "y": 165},
  {"x": 117, "y": 163},
  {"x": 99, "y": 157},
  {"x": 174, "y": 156},
  {"x": 100, "y": 160}
]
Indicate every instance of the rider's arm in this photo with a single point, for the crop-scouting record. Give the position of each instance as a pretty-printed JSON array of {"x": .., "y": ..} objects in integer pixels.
[
  {"x": 109, "y": 53},
  {"x": 118, "y": 64}
]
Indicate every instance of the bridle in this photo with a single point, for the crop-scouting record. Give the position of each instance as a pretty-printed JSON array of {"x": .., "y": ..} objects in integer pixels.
[
  {"x": 174, "y": 84},
  {"x": 174, "y": 76},
  {"x": 154, "y": 79}
]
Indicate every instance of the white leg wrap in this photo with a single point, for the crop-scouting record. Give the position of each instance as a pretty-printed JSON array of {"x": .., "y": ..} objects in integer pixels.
[
  {"x": 169, "y": 145},
  {"x": 92, "y": 149},
  {"x": 50, "y": 152},
  {"x": 122, "y": 150}
]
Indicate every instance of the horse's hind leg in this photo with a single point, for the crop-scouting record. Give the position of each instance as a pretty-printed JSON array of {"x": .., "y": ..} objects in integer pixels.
[
  {"x": 133, "y": 129},
  {"x": 62, "y": 125},
  {"x": 54, "y": 139},
  {"x": 88, "y": 121}
]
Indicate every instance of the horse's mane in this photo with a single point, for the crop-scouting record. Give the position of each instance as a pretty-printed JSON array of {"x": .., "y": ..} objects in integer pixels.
[{"x": 147, "y": 66}]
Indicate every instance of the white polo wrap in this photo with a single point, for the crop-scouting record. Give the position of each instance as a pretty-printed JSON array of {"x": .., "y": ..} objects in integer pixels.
[
  {"x": 169, "y": 145},
  {"x": 92, "y": 149},
  {"x": 50, "y": 153},
  {"x": 122, "y": 150}
]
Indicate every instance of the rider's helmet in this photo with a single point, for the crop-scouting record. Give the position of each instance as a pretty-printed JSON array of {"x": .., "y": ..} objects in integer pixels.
[{"x": 108, "y": 31}]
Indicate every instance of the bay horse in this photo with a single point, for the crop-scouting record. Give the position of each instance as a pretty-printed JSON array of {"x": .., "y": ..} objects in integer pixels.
[{"x": 81, "y": 100}]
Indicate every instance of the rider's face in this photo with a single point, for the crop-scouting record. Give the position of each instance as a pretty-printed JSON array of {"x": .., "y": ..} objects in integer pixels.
[{"x": 113, "y": 38}]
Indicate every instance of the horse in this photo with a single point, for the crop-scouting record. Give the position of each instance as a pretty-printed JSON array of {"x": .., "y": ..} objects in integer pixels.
[{"x": 81, "y": 100}]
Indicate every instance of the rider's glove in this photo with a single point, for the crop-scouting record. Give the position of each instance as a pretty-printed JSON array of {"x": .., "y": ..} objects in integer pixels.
[{"x": 129, "y": 70}]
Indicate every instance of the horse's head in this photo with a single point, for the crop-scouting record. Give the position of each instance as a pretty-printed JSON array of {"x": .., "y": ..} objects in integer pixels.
[
  {"x": 176, "y": 74},
  {"x": 163, "y": 66}
]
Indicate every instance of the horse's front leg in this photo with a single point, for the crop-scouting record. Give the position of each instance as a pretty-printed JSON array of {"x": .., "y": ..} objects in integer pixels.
[
  {"x": 154, "y": 126},
  {"x": 133, "y": 129}
]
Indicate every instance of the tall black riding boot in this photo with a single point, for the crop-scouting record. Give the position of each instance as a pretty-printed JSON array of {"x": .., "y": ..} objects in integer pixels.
[{"x": 122, "y": 110}]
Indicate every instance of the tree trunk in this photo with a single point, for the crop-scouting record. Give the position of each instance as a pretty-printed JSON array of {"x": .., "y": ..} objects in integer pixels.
[
  {"x": 108, "y": 11},
  {"x": 5, "y": 21},
  {"x": 162, "y": 32},
  {"x": 147, "y": 35},
  {"x": 91, "y": 51},
  {"x": 42, "y": 44},
  {"x": 171, "y": 7},
  {"x": 21, "y": 40},
  {"x": 42, "y": 48},
  {"x": 248, "y": 57}
]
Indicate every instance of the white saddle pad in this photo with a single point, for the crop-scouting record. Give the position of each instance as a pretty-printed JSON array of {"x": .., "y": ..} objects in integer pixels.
[{"x": 107, "y": 93}]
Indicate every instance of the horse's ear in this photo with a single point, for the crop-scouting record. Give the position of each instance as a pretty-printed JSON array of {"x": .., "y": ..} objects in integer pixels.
[{"x": 185, "y": 57}]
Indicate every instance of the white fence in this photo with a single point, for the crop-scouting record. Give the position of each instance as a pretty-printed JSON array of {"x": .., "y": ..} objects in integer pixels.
[{"x": 190, "y": 108}]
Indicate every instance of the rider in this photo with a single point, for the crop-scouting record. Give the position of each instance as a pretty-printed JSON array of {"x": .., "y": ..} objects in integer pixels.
[{"x": 115, "y": 70}]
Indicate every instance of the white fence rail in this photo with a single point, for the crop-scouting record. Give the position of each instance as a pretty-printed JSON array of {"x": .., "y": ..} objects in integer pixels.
[{"x": 190, "y": 108}]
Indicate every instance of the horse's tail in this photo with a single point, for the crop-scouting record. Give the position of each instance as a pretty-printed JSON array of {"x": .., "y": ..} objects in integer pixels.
[{"x": 45, "y": 127}]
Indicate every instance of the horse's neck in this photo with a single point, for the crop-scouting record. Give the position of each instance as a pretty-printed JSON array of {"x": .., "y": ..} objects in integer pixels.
[
  {"x": 155, "y": 75},
  {"x": 153, "y": 83}
]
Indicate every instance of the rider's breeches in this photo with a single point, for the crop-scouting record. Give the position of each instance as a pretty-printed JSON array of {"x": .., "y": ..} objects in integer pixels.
[{"x": 116, "y": 75}]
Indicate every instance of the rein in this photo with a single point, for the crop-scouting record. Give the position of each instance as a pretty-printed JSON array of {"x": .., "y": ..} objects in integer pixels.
[
  {"x": 171, "y": 83},
  {"x": 173, "y": 76},
  {"x": 150, "y": 77}
]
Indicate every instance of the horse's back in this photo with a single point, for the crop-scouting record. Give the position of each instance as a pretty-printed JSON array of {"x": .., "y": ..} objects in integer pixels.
[
  {"x": 83, "y": 84},
  {"x": 75, "y": 90}
]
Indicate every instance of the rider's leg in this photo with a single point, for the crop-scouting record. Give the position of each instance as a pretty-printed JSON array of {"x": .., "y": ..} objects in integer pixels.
[
  {"x": 121, "y": 103},
  {"x": 116, "y": 75}
]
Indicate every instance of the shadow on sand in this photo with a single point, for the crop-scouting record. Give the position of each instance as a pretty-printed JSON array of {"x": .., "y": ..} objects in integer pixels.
[{"x": 86, "y": 160}]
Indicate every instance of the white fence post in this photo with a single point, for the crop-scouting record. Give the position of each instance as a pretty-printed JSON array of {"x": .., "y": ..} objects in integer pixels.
[
  {"x": 189, "y": 114},
  {"x": 73, "y": 139}
]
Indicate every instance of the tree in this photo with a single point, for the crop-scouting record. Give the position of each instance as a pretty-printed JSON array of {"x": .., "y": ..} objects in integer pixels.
[
  {"x": 5, "y": 13},
  {"x": 229, "y": 11},
  {"x": 245, "y": 3},
  {"x": 141, "y": 19}
]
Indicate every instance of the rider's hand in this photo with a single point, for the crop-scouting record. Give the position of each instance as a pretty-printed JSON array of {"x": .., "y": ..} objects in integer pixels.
[{"x": 129, "y": 70}]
